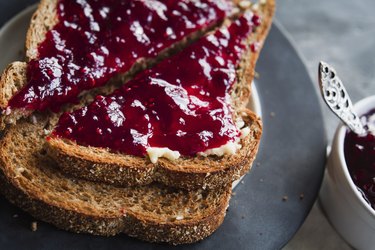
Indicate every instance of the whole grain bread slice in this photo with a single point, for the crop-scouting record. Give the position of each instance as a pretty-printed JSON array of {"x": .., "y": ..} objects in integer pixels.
[
  {"x": 212, "y": 172},
  {"x": 208, "y": 172},
  {"x": 155, "y": 213},
  {"x": 14, "y": 78}
]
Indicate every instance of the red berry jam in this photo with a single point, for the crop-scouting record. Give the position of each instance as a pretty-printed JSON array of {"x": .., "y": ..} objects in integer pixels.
[
  {"x": 183, "y": 103},
  {"x": 360, "y": 157},
  {"x": 94, "y": 40}
]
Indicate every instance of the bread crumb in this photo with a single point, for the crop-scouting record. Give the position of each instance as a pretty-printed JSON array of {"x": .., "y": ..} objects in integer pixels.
[
  {"x": 256, "y": 75},
  {"x": 261, "y": 180},
  {"x": 234, "y": 193},
  {"x": 15, "y": 216},
  {"x": 257, "y": 164},
  {"x": 285, "y": 198},
  {"x": 255, "y": 7},
  {"x": 242, "y": 182},
  {"x": 8, "y": 111},
  {"x": 301, "y": 196},
  {"x": 272, "y": 114},
  {"x": 34, "y": 226},
  {"x": 244, "y": 4},
  {"x": 123, "y": 211},
  {"x": 33, "y": 120}
]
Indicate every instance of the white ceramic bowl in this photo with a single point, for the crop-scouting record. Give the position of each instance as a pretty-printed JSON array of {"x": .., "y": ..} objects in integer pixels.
[{"x": 348, "y": 212}]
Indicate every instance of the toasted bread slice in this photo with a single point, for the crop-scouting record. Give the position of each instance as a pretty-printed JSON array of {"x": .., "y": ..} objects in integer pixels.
[
  {"x": 102, "y": 165},
  {"x": 210, "y": 172},
  {"x": 30, "y": 180},
  {"x": 14, "y": 77}
]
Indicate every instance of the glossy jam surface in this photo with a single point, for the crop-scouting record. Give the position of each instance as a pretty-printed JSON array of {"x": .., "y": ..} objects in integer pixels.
[
  {"x": 94, "y": 40},
  {"x": 182, "y": 103},
  {"x": 360, "y": 158}
]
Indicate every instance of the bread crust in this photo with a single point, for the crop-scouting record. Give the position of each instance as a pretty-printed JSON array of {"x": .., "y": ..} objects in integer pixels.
[
  {"x": 101, "y": 165},
  {"x": 29, "y": 179},
  {"x": 133, "y": 225}
]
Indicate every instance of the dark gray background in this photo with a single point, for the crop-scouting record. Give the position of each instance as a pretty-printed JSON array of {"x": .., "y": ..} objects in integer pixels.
[{"x": 341, "y": 32}]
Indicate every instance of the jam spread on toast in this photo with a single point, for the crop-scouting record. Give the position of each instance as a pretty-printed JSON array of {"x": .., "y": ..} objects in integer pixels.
[
  {"x": 359, "y": 153},
  {"x": 183, "y": 103},
  {"x": 95, "y": 40}
]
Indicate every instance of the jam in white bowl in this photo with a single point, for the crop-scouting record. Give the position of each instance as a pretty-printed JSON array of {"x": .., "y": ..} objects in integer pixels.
[{"x": 347, "y": 191}]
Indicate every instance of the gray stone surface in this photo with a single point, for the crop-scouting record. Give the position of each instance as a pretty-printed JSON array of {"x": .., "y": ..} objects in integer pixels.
[{"x": 341, "y": 33}]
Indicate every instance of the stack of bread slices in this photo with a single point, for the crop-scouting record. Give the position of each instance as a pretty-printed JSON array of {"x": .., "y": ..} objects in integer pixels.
[{"x": 95, "y": 190}]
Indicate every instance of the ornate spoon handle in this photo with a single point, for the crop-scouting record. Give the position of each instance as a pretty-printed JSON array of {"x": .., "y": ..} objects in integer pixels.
[{"x": 337, "y": 99}]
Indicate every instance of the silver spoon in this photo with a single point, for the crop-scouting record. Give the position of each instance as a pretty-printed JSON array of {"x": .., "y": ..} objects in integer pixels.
[{"x": 337, "y": 98}]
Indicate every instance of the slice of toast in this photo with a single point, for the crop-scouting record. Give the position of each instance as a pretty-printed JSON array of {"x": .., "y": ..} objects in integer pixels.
[
  {"x": 102, "y": 165},
  {"x": 14, "y": 77},
  {"x": 210, "y": 172},
  {"x": 30, "y": 180}
]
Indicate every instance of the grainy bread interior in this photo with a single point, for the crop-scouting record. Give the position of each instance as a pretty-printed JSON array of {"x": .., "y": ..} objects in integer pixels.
[
  {"x": 154, "y": 213},
  {"x": 43, "y": 20},
  {"x": 12, "y": 80},
  {"x": 101, "y": 165}
]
